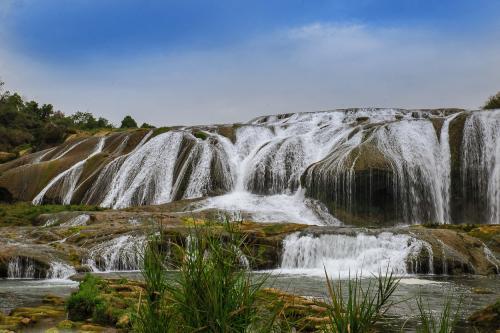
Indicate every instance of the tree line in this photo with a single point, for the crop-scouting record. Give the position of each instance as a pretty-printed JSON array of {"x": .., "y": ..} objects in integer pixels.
[{"x": 30, "y": 125}]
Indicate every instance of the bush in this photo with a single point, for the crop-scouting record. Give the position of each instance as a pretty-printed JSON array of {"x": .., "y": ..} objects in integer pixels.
[
  {"x": 493, "y": 102},
  {"x": 85, "y": 303}
]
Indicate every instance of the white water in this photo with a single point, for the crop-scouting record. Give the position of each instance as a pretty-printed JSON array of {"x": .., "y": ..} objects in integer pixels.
[
  {"x": 123, "y": 253},
  {"x": 342, "y": 255},
  {"x": 277, "y": 208},
  {"x": 60, "y": 271},
  {"x": 79, "y": 220},
  {"x": 21, "y": 268},
  {"x": 69, "y": 177},
  {"x": 481, "y": 161},
  {"x": 24, "y": 268}
]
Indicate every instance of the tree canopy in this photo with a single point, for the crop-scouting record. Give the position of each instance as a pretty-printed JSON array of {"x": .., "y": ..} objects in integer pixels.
[
  {"x": 128, "y": 122},
  {"x": 29, "y": 125},
  {"x": 493, "y": 102}
]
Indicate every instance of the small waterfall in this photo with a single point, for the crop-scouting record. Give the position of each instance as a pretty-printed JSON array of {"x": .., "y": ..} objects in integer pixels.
[
  {"x": 67, "y": 149},
  {"x": 42, "y": 155},
  {"x": 60, "y": 270},
  {"x": 342, "y": 255},
  {"x": 21, "y": 268},
  {"x": 79, "y": 220},
  {"x": 69, "y": 178},
  {"x": 491, "y": 258},
  {"x": 123, "y": 253}
]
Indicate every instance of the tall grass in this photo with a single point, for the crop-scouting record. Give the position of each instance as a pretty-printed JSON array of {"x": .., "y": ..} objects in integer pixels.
[
  {"x": 152, "y": 313},
  {"x": 211, "y": 292},
  {"x": 363, "y": 307},
  {"x": 442, "y": 323}
]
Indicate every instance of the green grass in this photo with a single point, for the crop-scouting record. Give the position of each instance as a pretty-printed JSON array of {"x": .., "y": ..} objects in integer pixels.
[
  {"x": 24, "y": 213},
  {"x": 438, "y": 323},
  {"x": 363, "y": 307},
  {"x": 153, "y": 315},
  {"x": 212, "y": 292}
]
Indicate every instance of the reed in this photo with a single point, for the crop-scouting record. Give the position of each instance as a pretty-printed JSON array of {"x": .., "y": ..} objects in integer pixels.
[
  {"x": 443, "y": 322},
  {"x": 363, "y": 307}
]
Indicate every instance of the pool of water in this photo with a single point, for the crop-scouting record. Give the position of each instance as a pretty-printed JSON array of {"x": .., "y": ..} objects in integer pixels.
[{"x": 476, "y": 292}]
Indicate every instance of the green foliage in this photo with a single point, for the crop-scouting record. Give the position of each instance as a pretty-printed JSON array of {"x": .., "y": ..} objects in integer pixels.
[
  {"x": 24, "y": 213},
  {"x": 363, "y": 306},
  {"x": 160, "y": 130},
  {"x": 493, "y": 102},
  {"x": 86, "y": 302},
  {"x": 444, "y": 323},
  {"x": 38, "y": 126},
  {"x": 87, "y": 121},
  {"x": 146, "y": 125},
  {"x": 200, "y": 135},
  {"x": 128, "y": 122},
  {"x": 213, "y": 291}
]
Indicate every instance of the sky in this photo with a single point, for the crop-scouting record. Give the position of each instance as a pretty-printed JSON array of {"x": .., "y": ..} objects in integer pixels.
[{"x": 175, "y": 62}]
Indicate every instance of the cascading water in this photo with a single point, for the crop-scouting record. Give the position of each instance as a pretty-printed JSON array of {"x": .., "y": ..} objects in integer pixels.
[
  {"x": 21, "y": 268},
  {"x": 481, "y": 162},
  {"x": 341, "y": 255},
  {"x": 60, "y": 271},
  {"x": 68, "y": 179},
  {"x": 379, "y": 165},
  {"x": 123, "y": 253}
]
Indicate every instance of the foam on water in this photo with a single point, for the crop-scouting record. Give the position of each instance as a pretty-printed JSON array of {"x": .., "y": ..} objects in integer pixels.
[{"x": 272, "y": 208}]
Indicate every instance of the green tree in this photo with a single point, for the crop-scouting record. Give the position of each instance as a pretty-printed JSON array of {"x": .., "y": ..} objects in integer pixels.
[
  {"x": 493, "y": 102},
  {"x": 146, "y": 125},
  {"x": 128, "y": 122}
]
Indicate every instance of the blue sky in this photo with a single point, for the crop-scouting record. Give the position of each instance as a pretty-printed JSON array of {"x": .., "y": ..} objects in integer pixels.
[{"x": 188, "y": 62}]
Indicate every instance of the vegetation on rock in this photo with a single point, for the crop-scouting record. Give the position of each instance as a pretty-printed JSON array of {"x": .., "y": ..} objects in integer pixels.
[{"x": 493, "y": 102}]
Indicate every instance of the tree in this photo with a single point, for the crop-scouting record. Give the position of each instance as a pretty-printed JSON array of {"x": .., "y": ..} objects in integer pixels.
[
  {"x": 128, "y": 122},
  {"x": 103, "y": 123},
  {"x": 146, "y": 125},
  {"x": 493, "y": 102}
]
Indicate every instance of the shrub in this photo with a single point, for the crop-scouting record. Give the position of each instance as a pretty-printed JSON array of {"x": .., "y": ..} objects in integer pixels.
[
  {"x": 363, "y": 307},
  {"x": 493, "y": 102},
  {"x": 83, "y": 304}
]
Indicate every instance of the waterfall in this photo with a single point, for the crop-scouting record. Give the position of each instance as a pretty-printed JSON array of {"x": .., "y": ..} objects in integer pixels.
[
  {"x": 341, "y": 255},
  {"x": 76, "y": 221},
  {"x": 123, "y": 253},
  {"x": 21, "y": 268},
  {"x": 376, "y": 165},
  {"x": 481, "y": 162},
  {"x": 60, "y": 270},
  {"x": 69, "y": 178}
]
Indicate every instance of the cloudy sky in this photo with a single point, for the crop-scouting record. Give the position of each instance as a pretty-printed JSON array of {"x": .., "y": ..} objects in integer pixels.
[{"x": 195, "y": 62}]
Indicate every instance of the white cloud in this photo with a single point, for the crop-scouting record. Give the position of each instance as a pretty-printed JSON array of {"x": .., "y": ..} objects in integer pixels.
[{"x": 318, "y": 66}]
